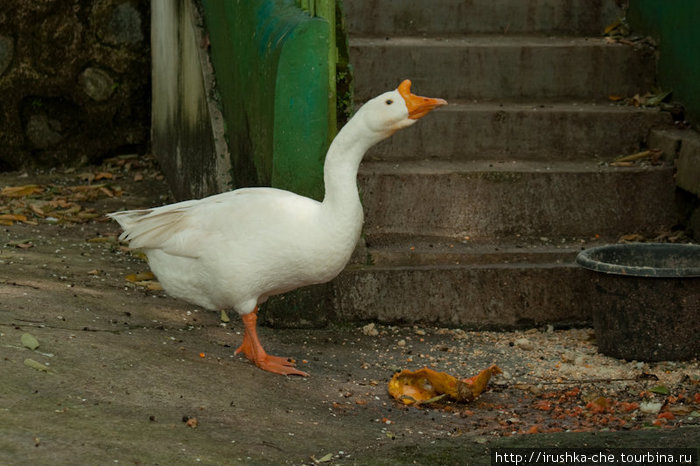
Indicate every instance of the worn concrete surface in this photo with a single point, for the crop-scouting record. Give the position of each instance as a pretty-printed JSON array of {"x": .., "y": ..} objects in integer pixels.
[
  {"x": 445, "y": 17},
  {"x": 125, "y": 366},
  {"x": 522, "y": 157},
  {"x": 547, "y": 132},
  {"x": 516, "y": 199},
  {"x": 526, "y": 67}
]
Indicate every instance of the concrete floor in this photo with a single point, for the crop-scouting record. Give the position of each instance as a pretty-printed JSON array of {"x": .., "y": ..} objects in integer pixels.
[{"x": 127, "y": 366}]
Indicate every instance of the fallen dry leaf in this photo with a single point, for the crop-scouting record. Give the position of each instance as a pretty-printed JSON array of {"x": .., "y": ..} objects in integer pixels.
[
  {"x": 612, "y": 26},
  {"x": 20, "y": 191},
  {"x": 89, "y": 177},
  {"x": 103, "y": 176},
  {"x": 36, "y": 208},
  {"x": 617, "y": 31},
  {"x": 649, "y": 99},
  {"x": 139, "y": 277},
  {"x": 35, "y": 365},
  {"x": 29, "y": 341},
  {"x": 22, "y": 244},
  {"x": 107, "y": 192},
  {"x": 427, "y": 386},
  {"x": 13, "y": 217},
  {"x": 652, "y": 154},
  {"x": 52, "y": 203},
  {"x": 144, "y": 279},
  {"x": 631, "y": 238},
  {"x": 324, "y": 459},
  {"x": 150, "y": 284},
  {"x": 660, "y": 389}
]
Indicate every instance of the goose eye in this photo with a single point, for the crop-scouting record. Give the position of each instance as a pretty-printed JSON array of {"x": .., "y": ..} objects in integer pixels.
[{"x": 389, "y": 101}]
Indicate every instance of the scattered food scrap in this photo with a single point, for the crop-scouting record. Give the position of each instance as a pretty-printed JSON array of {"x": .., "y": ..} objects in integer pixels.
[
  {"x": 370, "y": 330},
  {"x": 427, "y": 386},
  {"x": 190, "y": 421}
]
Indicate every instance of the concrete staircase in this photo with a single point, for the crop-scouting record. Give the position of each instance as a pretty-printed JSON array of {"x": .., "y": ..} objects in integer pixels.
[{"x": 474, "y": 216}]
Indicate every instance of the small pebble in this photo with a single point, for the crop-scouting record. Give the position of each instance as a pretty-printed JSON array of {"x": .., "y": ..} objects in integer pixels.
[
  {"x": 401, "y": 343},
  {"x": 370, "y": 330},
  {"x": 524, "y": 344},
  {"x": 650, "y": 407}
]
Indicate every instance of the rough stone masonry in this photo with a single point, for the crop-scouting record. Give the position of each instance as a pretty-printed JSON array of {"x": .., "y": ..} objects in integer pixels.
[{"x": 74, "y": 81}]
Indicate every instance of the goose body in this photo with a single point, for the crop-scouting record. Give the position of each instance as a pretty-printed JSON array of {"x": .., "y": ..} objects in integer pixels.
[{"x": 234, "y": 250}]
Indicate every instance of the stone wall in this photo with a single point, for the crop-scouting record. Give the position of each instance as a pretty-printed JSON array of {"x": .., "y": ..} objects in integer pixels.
[{"x": 74, "y": 80}]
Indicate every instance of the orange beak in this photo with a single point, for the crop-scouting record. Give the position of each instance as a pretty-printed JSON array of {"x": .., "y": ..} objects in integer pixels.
[{"x": 418, "y": 106}]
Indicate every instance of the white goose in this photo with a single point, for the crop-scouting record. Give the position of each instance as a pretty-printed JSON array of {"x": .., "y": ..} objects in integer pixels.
[{"x": 235, "y": 249}]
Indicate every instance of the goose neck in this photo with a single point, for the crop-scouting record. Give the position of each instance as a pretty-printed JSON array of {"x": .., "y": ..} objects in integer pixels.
[{"x": 342, "y": 163}]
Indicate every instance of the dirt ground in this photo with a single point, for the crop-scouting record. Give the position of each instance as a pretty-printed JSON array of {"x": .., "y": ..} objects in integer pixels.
[{"x": 124, "y": 374}]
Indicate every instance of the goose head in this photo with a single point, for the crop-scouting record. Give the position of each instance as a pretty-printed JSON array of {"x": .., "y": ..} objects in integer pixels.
[{"x": 397, "y": 109}]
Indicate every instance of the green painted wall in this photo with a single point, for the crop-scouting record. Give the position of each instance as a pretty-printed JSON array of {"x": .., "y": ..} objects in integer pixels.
[
  {"x": 270, "y": 60},
  {"x": 675, "y": 24}
]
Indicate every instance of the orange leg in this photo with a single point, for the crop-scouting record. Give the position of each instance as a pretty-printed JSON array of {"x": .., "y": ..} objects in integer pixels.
[{"x": 254, "y": 351}]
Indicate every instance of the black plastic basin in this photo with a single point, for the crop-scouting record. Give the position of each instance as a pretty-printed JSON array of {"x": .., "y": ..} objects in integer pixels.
[
  {"x": 650, "y": 300},
  {"x": 644, "y": 259}
]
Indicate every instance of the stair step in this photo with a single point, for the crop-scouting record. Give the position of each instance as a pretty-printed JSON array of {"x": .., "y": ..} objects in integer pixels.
[
  {"x": 480, "y": 287},
  {"x": 436, "y": 251},
  {"x": 491, "y": 200},
  {"x": 524, "y": 131},
  {"x": 501, "y": 67},
  {"x": 494, "y": 296},
  {"x": 408, "y": 17},
  {"x": 474, "y": 216}
]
